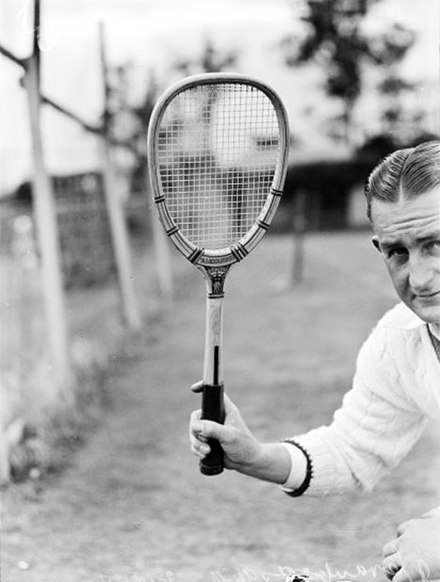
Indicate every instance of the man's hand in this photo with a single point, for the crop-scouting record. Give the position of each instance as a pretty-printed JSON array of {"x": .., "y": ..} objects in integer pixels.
[
  {"x": 242, "y": 451},
  {"x": 241, "y": 448},
  {"x": 415, "y": 553}
]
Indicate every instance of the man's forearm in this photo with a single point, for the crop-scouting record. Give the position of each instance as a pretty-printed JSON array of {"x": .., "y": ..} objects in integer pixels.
[{"x": 277, "y": 463}]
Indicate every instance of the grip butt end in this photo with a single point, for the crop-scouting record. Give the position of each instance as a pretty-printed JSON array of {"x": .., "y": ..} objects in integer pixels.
[{"x": 210, "y": 469}]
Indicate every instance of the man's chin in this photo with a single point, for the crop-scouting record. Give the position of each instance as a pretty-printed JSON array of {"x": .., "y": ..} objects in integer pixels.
[{"x": 428, "y": 309}]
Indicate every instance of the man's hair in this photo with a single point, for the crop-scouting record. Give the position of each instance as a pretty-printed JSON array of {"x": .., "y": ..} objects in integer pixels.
[{"x": 404, "y": 174}]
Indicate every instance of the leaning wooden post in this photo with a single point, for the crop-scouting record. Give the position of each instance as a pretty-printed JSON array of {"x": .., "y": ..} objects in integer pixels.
[
  {"x": 115, "y": 210},
  {"x": 45, "y": 217},
  {"x": 161, "y": 247},
  {"x": 299, "y": 226}
]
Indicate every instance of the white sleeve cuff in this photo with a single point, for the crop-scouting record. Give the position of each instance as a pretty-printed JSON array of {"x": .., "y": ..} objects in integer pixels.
[{"x": 298, "y": 468}]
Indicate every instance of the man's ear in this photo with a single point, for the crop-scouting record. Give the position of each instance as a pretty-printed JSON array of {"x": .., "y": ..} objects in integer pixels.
[{"x": 376, "y": 243}]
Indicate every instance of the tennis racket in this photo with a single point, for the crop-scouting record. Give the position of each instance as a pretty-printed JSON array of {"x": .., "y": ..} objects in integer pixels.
[{"x": 217, "y": 154}]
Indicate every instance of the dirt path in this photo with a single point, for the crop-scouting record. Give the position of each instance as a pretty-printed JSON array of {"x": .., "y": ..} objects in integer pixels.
[{"x": 133, "y": 507}]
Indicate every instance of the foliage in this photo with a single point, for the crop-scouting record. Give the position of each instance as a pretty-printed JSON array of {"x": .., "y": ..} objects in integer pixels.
[
  {"x": 334, "y": 39},
  {"x": 378, "y": 146},
  {"x": 210, "y": 61},
  {"x": 130, "y": 121}
]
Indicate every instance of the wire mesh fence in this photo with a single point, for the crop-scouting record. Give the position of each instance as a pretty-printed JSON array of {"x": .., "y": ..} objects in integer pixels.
[
  {"x": 88, "y": 264},
  {"x": 20, "y": 291},
  {"x": 84, "y": 233}
]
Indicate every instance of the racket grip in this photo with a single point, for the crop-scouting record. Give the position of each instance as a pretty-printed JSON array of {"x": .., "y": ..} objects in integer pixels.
[{"x": 213, "y": 408}]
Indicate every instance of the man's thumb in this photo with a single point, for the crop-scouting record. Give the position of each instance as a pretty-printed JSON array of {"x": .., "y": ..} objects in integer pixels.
[{"x": 211, "y": 429}]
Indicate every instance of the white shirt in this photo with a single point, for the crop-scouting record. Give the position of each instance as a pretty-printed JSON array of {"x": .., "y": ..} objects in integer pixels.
[{"x": 396, "y": 388}]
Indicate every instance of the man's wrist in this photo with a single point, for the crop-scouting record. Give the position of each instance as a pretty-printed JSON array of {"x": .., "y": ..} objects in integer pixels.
[{"x": 272, "y": 462}]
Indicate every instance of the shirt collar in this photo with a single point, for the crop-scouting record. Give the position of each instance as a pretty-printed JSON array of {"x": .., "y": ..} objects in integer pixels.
[
  {"x": 401, "y": 317},
  {"x": 434, "y": 328}
]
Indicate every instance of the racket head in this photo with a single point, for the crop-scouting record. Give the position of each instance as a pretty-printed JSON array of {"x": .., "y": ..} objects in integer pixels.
[{"x": 217, "y": 154}]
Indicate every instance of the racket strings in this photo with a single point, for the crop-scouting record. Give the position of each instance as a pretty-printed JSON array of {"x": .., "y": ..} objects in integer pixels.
[{"x": 218, "y": 149}]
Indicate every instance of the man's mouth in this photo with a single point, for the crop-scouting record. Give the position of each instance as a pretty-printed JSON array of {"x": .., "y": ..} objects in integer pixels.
[{"x": 423, "y": 296}]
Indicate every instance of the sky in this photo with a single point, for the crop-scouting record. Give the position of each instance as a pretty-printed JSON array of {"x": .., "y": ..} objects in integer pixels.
[{"x": 152, "y": 34}]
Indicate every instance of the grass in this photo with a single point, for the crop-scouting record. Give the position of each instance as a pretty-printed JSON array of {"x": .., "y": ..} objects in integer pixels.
[{"x": 132, "y": 507}]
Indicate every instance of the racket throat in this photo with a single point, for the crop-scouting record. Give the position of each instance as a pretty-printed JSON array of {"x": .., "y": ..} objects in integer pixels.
[{"x": 215, "y": 281}]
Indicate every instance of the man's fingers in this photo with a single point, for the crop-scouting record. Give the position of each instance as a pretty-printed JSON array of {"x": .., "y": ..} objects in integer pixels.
[
  {"x": 402, "y": 576},
  {"x": 390, "y": 548},
  {"x": 200, "y": 449},
  {"x": 197, "y": 387},
  {"x": 194, "y": 422},
  {"x": 196, "y": 437},
  {"x": 195, "y": 415},
  {"x": 391, "y": 565},
  {"x": 195, "y": 426},
  {"x": 202, "y": 430},
  {"x": 209, "y": 429}
]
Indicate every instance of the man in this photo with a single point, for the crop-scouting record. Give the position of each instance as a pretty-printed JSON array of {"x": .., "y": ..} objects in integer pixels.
[{"x": 396, "y": 387}]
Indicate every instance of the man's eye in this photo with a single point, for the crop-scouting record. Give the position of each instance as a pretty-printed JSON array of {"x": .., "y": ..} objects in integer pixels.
[
  {"x": 434, "y": 245},
  {"x": 397, "y": 252}
]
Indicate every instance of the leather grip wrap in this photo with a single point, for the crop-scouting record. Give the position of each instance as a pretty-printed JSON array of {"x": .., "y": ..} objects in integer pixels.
[{"x": 213, "y": 408}]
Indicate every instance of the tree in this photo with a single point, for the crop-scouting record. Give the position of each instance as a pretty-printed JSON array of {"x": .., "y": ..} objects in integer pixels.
[
  {"x": 391, "y": 49},
  {"x": 334, "y": 39},
  {"x": 129, "y": 122},
  {"x": 210, "y": 61},
  {"x": 142, "y": 114}
]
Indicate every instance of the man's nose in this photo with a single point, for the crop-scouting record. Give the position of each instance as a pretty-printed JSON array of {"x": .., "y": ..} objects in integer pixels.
[{"x": 420, "y": 274}]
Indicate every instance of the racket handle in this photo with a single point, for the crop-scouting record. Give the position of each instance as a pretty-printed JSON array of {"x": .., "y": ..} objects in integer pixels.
[{"x": 213, "y": 408}]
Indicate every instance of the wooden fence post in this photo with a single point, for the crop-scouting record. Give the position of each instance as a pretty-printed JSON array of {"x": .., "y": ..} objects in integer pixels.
[
  {"x": 120, "y": 240},
  {"x": 45, "y": 216},
  {"x": 161, "y": 247},
  {"x": 115, "y": 210}
]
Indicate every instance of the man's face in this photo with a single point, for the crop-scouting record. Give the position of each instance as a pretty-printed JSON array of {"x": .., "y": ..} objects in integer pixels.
[{"x": 407, "y": 233}]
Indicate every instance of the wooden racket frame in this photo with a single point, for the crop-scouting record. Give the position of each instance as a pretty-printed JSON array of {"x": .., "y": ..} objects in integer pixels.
[
  {"x": 230, "y": 255},
  {"x": 215, "y": 264}
]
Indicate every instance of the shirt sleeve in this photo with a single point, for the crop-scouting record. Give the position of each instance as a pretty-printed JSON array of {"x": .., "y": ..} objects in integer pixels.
[
  {"x": 298, "y": 468},
  {"x": 373, "y": 430}
]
